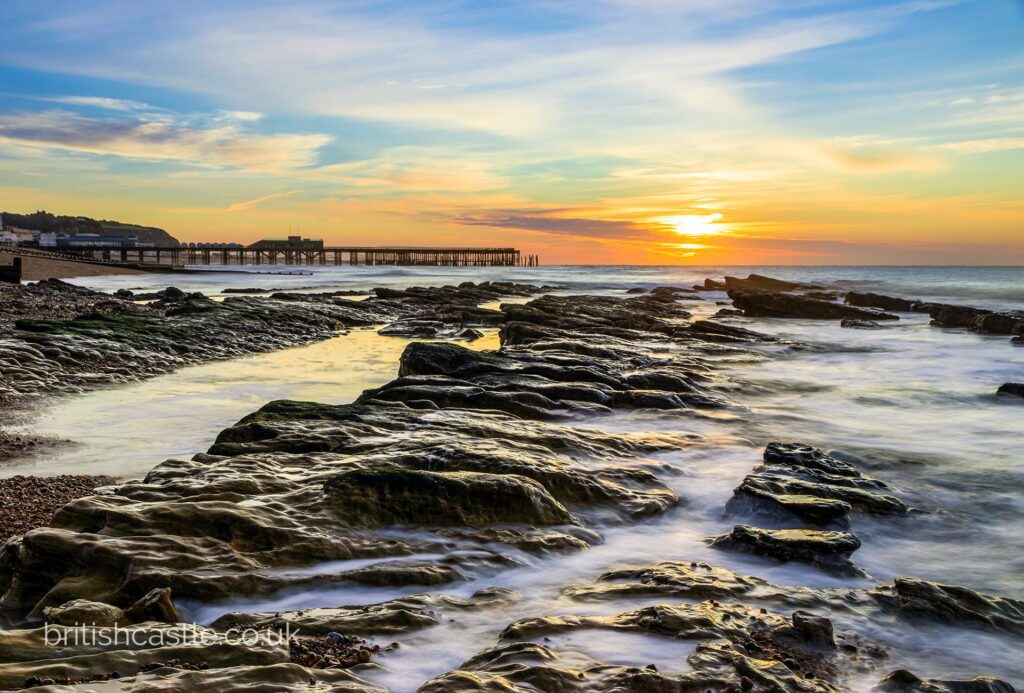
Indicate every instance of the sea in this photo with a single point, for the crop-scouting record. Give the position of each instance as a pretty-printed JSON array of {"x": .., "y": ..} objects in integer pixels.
[{"x": 916, "y": 404}]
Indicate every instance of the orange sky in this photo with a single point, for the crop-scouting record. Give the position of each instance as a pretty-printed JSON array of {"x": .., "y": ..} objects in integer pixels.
[{"x": 605, "y": 132}]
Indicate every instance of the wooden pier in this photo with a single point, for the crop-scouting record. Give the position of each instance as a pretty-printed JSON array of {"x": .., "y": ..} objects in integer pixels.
[{"x": 188, "y": 255}]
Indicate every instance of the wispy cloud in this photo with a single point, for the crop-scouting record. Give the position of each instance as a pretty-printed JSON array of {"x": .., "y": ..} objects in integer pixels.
[
  {"x": 103, "y": 102},
  {"x": 145, "y": 138},
  {"x": 996, "y": 144},
  {"x": 547, "y": 222},
  {"x": 249, "y": 204},
  {"x": 576, "y": 124},
  {"x": 413, "y": 170}
]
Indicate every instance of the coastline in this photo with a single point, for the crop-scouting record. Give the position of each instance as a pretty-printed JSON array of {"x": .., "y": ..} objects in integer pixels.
[
  {"x": 498, "y": 435},
  {"x": 38, "y": 268}
]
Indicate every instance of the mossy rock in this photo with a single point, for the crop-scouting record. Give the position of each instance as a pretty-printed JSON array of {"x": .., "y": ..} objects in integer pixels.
[{"x": 387, "y": 496}]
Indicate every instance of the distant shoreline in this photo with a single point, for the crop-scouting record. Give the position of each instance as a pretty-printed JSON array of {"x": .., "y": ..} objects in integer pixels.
[{"x": 37, "y": 268}]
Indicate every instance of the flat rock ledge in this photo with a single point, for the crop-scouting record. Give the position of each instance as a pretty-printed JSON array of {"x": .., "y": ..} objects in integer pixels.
[{"x": 466, "y": 465}]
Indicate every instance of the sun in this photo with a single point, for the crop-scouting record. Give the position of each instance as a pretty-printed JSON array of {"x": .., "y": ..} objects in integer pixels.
[{"x": 695, "y": 224}]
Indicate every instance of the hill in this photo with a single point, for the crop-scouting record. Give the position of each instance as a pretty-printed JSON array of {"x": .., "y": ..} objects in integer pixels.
[{"x": 45, "y": 221}]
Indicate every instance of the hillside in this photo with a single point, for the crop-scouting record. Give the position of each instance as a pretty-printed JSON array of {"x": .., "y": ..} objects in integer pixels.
[{"x": 44, "y": 221}]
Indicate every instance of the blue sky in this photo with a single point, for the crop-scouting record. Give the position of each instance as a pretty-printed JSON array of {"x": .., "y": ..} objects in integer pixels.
[{"x": 650, "y": 130}]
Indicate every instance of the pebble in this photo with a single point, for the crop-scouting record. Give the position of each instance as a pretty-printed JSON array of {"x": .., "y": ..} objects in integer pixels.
[{"x": 28, "y": 502}]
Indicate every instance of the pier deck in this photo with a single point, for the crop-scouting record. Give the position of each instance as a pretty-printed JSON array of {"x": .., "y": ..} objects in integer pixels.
[{"x": 181, "y": 256}]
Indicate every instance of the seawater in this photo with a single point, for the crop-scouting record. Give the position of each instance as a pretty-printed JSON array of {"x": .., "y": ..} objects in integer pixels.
[{"x": 914, "y": 404}]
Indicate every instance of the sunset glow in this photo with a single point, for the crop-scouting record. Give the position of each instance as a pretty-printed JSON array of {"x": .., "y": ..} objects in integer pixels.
[
  {"x": 585, "y": 132},
  {"x": 695, "y": 224}
]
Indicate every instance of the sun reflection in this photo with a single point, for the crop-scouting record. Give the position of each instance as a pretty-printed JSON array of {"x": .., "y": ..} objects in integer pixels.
[{"x": 695, "y": 224}]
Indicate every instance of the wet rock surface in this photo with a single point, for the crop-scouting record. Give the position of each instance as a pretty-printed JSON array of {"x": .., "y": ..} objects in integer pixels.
[
  {"x": 860, "y": 324},
  {"x": 57, "y": 338},
  {"x": 982, "y": 320},
  {"x": 891, "y": 303},
  {"x": 467, "y": 465},
  {"x": 767, "y": 304},
  {"x": 738, "y": 648},
  {"x": 902, "y": 681},
  {"x": 953, "y": 604},
  {"x": 386, "y": 618},
  {"x": 828, "y": 550},
  {"x": 802, "y": 484},
  {"x": 1011, "y": 389}
]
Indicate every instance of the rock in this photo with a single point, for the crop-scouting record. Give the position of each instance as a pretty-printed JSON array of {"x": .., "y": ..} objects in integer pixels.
[
  {"x": 123, "y": 293},
  {"x": 757, "y": 495},
  {"x": 636, "y": 290},
  {"x": 1014, "y": 389},
  {"x": 823, "y": 295},
  {"x": 705, "y": 620},
  {"x": 716, "y": 331},
  {"x": 787, "y": 305},
  {"x": 649, "y": 313},
  {"x": 870, "y": 300},
  {"x": 434, "y": 358},
  {"x": 804, "y": 456},
  {"x": 540, "y": 380},
  {"x": 685, "y": 579},
  {"x": 223, "y": 525},
  {"x": 902, "y": 681},
  {"x": 762, "y": 283},
  {"x": 379, "y": 497},
  {"x": 249, "y": 290},
  {"x": 809, "y": 497},
  {"x": 736, "y": 642},
  {"x": 999, "y": 323},
  {"x": 469, "y": 334},
  {"x": 82, "y": 654},
  {"x": 412, "y": 329},
  {"x": 84, "y": 612},
  {"x": 155, "y": 605},
  {"x": 801, "y": 483},
  {"x": 860, "y": 324},
  {"x": 953, "y": 604},
  {"x": 976, "y": 319},
  {"x": 392, "y": 617},
  {"x": 813, "y": 629},
  {"x": 827, "y": 550},
  {"x": 68, "y": 339}
]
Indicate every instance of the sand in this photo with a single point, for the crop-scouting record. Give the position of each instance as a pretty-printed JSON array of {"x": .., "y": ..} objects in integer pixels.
[{"x": 36, "y": 268}]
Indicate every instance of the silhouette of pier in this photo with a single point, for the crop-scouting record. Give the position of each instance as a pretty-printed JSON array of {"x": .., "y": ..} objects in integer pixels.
[{"x": 143, "y": 258}]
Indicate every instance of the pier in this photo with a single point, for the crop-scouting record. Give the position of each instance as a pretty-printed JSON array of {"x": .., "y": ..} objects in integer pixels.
[{"x": 143, "y": 258}]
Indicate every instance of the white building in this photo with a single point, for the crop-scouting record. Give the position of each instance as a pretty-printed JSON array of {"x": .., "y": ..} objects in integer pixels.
[{"x": 24, "y": 235}]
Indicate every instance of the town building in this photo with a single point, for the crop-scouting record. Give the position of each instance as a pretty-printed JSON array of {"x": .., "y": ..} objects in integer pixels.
[
  {"x": 290, "y": 243},
  {"x": 94, "y": 240}
]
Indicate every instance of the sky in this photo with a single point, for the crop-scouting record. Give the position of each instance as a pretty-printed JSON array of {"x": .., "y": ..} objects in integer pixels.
[{"x": 585, "y": 131}]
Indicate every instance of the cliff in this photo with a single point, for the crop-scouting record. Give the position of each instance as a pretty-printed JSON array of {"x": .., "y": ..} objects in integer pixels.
[{"x": 45, "y": 221}]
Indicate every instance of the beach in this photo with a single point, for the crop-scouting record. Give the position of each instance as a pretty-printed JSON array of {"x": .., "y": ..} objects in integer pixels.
[
  {"x": 37, "y": 268},
  {"x": 510, "y": 479}
]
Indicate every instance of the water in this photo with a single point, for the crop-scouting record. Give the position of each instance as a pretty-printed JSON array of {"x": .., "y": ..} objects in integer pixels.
[
  {"x": 125, "y": 431},
  {"x": 914, "y": 403},
  {"x": 996, "y": 287}
]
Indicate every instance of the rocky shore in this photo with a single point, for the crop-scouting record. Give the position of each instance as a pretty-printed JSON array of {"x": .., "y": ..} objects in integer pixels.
[
  {"x": 467, "y": 465},
  {"x": 58, "y": 338}
]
